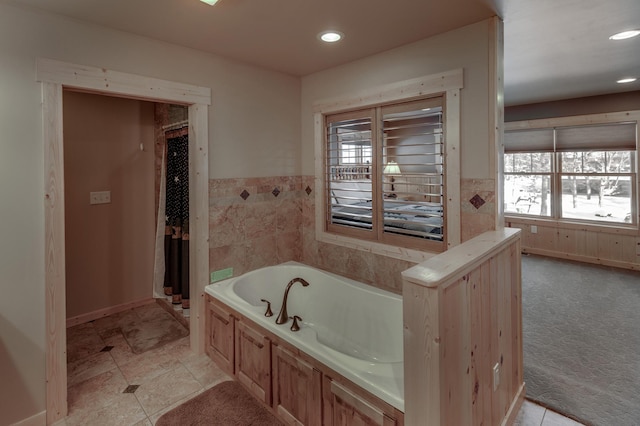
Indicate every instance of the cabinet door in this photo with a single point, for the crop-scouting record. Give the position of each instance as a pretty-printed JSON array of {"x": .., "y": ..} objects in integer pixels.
[
  {"x": 296, "y": 389},
  {"x": 253, "y": 361},
  {"x": 219, "y": 329},
  {"x": 344, "y": 407}
]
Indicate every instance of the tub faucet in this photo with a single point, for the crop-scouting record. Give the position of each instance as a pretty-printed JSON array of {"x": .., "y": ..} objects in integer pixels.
[{"x": 283, "y": 317}]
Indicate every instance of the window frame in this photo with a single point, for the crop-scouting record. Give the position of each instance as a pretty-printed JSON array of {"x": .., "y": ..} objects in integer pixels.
[
  {"x": 447, "y": 85},
  {"x": 556, "y": 209},
  {"x": 376, "y": 121}
]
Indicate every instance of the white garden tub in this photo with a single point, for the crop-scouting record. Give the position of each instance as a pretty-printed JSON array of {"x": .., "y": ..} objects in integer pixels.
[{"x": 352, "y": 328}]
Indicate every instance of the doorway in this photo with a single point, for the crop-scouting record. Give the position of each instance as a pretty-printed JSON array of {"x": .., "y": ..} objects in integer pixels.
[{"x": 54, "y": 76}]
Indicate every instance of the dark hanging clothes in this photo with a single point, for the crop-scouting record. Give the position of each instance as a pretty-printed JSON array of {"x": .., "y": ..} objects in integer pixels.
[{"x": 176, "y": 243}]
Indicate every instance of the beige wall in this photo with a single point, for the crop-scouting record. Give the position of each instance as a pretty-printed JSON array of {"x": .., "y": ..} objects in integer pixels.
[
  {"x": 109, "y": 247},
  {"x": 254, "y": 130},
  {"x": 466, "y": 48},
  {"x": 615, "y": 102}
]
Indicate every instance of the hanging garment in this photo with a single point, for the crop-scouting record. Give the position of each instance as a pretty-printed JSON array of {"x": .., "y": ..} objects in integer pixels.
[{"x": 176, "y": 240}]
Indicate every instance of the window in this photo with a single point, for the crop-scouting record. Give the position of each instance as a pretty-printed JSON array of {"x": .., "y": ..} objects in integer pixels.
[
  {"x": 384, "y": 174},
  {"x": 583, "y": 173}
]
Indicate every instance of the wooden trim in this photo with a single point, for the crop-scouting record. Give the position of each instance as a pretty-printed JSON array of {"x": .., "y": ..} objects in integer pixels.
[
  {"x": 408, "y": 89},
  {"x": 496, "y": 113},
  {"x": 422, "y": 351},
  {"x": 35, "y": 420},
  {"x": 320, "y": 212},
  {"x": 453, "y": 227},
  {"x": 446, "y": 267},
  {"x": 562, "y": 224},
  {"x": 55, "y": 305},
  {"x": 100, "y": 313},
  {"x": 514, "y": 408},
  {"x": 131, "y": 86},
  {"x": 586, "y": 259},
  {"x": 54, "y": 75},
  {"x": 448, "y": 83},
  {"x": 582, "y": 120},
  {"x": 462, "y": 316},
  {"x": 578, "y": 120},
  {"x": 199, "y": 221}
]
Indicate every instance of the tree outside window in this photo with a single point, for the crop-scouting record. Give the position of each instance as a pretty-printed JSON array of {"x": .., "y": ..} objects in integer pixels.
[{"x": 583, "y": 173}]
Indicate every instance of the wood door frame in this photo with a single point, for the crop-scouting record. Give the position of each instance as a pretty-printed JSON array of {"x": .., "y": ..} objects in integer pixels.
[{"x": 54, "y": 76}]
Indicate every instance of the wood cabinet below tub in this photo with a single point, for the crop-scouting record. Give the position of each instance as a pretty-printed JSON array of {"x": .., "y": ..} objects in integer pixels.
[
  {"x": 299, "y": 389},
  {"x": 220, "y": 331}
]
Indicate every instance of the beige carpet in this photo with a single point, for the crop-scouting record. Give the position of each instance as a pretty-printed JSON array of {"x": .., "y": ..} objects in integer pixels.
[
  {"x": 226, "y": 404},
  {"x": 581, "y": 337}
]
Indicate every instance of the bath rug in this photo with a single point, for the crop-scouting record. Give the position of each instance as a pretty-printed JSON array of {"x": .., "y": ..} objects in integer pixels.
[
  {"x": 581, "y": 339},
  {"x": 144, "y": 328},
  {"x": 226, "y": 404}
]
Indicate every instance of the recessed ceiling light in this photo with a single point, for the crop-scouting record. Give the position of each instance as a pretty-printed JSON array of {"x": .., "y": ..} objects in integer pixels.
[
  {"x": 330, "y": 36},
  {"x": 626, "y": 80},
  {"x": 625, "y": 34},
  {"x": 209, "y": 2}
]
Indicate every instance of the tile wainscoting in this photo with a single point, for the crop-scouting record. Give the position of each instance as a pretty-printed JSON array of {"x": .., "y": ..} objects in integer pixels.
[
  {"x": 478, "y": 208},
  {"x": 257, "y": 222},
  {"x": 254, "y": 222}
]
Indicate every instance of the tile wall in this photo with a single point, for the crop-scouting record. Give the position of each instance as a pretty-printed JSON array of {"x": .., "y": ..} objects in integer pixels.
[
  {"x": 477, "y": 207},
  {"x": 257, "y": 222},
  {"x": 254, "y": 222}
]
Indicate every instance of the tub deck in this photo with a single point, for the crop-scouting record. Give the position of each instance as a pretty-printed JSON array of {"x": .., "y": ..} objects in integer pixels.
[{"x": 379, "y": 371}]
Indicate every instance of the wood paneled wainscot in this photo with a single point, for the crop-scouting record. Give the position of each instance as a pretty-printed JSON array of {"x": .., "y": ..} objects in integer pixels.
[
  {"x": 297, "y": 388},
  {"x": 463, "y": 334},
  {"x": 610, "y": 245}
]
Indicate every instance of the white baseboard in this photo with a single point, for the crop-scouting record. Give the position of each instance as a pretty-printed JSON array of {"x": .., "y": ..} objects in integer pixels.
[
  {"x": 39, "y": 419},
  {"x": 81, "y": 319}
]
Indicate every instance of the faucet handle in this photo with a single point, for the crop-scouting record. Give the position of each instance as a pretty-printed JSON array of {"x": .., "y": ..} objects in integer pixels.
[
  {"x": 268, "y": 313},
  {"x": 295, "y": 326}
]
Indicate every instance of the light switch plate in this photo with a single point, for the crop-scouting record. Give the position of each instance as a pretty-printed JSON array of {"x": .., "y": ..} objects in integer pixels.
[{"x": 100, "y": 197}]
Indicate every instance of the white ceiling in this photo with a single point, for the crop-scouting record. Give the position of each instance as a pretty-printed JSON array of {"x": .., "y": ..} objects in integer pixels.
[{"x": 554, "y": 49}]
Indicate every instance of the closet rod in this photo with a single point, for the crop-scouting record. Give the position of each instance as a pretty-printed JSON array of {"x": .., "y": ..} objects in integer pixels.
[{"x": 176, "y": 125}]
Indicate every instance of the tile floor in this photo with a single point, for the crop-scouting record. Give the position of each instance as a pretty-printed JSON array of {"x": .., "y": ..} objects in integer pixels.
[
  {"x": 534, "y": 415},
  {"x": 110, "y": 385}
]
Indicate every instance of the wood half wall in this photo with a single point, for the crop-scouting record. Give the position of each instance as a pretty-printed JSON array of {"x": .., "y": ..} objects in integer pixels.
[
  {"x": 604, "y": 245},
  {"x": 463, "y": 334}
]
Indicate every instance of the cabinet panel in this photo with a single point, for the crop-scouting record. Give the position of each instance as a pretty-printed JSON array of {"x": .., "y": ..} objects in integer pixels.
[
  {"x": 219, "y": 326},
  {"x": 344, "y": 407},
  {"x": 299, "y": 390},
  {"x": 253, "y": 361},
  {"x": 296, "y": 389}
]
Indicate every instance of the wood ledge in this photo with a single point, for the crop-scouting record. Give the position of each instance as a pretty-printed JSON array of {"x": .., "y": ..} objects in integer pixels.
[{"x": 446, "y": 267}]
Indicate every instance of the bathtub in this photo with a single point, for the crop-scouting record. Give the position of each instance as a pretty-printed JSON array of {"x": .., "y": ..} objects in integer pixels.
[{"x": 353, "y": 328}]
